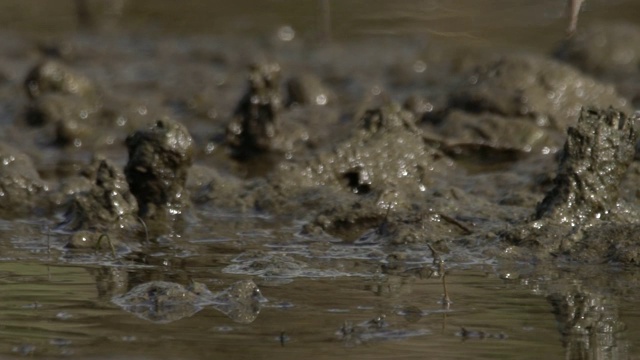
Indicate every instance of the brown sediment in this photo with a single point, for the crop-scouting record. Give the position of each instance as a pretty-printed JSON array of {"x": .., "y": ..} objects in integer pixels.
[
  {"x": 159, "y": 160},
  {"x": 595, "y": 158}
]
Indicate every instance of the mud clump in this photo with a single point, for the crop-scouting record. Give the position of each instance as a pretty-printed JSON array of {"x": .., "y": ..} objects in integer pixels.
[
  {"x": 604, "y": 50},
  {"x": 159, "y": 160},
  {"x": 502, "y": 136},
  {"x": 66, "y": 120},
  {"x": 62, "y": 102},
  {"x": 307, "y": 89},
  {"x": 52, "y": 76},
  {"x": 347, "y": 188},
  {"x": 596, "y": 156},
  {"x": 255, "y": 127},
  {"x": 548, "y": 93},
  {"x": 384, "y": 163},
  {"x": 386, "y": 150},
  {"x": 585, "y": 196},
  {"x": 21, "y": 188},
  {"x": 610, "y": 52},
  {"x": 108, "y": 204}
]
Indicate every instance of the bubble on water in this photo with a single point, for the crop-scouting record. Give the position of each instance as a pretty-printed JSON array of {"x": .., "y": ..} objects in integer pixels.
[
  {"x": 419, "y": 66},
  {"x": 286, "y": 33},
  {"x": 63, "y": 315}
]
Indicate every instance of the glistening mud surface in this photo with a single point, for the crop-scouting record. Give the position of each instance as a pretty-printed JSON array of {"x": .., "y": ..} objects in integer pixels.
[{"x": 197, "y": 196}]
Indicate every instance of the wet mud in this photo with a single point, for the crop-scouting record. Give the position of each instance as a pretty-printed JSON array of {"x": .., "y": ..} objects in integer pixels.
[{"x": 122, "y": 146}]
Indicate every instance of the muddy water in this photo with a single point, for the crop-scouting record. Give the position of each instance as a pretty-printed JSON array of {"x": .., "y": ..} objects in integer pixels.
[{"x": 396, "y": 212}]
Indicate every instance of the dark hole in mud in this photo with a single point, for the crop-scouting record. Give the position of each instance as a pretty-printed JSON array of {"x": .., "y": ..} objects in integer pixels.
[
  {"x": 354, "y": 182},
  {"x": 35, "y": 117}
]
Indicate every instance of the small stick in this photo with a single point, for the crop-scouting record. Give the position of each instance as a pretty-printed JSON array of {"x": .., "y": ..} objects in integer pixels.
[
  {"x": 113, "y": 249},
  {"x": 455, "y": 222},
  {"x": 434, "y": 255},
  {"x": 446, "y": 300},
  {"x": 384, "y": 221},
  {"x": 49, "y": 242},
  {"x": 146, "y": 229}
]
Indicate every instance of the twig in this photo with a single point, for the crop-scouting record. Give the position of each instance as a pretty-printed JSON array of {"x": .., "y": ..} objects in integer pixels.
[
  {"x": 446, "y": 300},
  {"x": 384, "y": 222},
  {"x": 455, "y": 222},
  {"x": 113, "y": 249},
  {"x": 146, "y": 229},
  {"x": 49, "y": 242},
  {"x": 437, "y": 260}
]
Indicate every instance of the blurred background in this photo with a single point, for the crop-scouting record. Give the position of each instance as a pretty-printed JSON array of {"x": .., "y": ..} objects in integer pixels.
[{"x": 519, "y": 23}]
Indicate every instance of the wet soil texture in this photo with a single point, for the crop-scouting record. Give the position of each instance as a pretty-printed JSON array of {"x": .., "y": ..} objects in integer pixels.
[{"x": 127, "y": 143}]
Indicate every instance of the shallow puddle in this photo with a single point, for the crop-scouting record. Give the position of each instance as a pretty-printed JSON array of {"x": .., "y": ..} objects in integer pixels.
[
  {"x": 50, "y": 311},
  {"x": 349, "y": 306}
]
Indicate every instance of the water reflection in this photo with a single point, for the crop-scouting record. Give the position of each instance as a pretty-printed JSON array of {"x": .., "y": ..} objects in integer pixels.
[
  {"x": 164, "y": 302},
  {"x": 589, "y": 325},
  {"x": 490, "y": 315}
]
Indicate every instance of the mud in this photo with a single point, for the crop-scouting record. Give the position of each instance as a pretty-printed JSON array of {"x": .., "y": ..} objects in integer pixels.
[
  {"x": 609, "y": 52},
  {"x": 159, "y": 160},
  {"x": 107, "y": 204},
  {"x": 21, "y": 185},
  {"x": 124, "y": 148},
  {"x": 585, "y": 195},
  {"x": 377, "y": 171}
]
